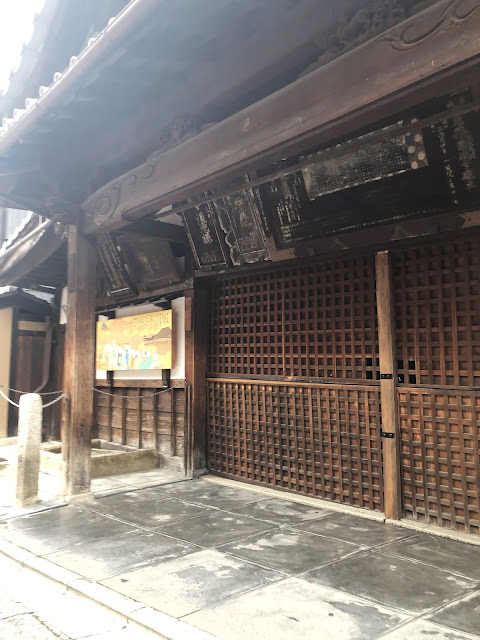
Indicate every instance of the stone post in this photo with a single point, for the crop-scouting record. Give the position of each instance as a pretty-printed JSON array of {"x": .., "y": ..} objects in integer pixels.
[{"x": 29, "y": 442}]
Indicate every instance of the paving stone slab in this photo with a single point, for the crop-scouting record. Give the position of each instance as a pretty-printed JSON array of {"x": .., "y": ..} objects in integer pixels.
[
  {"x": 125, "y": 500},
  {"x": 391, "y": 581},
  {"x": 463, "y": 615},
  {"x": 25, "y": 627},
  {"x": 296, "y": 609},
  {"x": 424, "y": 630},
  {"x": 160, "y": 476},
  {"x": 66, "y": 534},
  {"x": 213, "y": 495},
  {"x": 214, "y": 528},
  {"x": 10, "y": 606},
  {"x": 282, "y": 511},
  {"x": 106, "y": 557},
  {"x": 43, "y": 518},
  {"x": 104, "y": 484},
  {"x": 196, "y": 581},
  {"x": 290, "y": 551},
  {"x": 457, "y": 557},
  {"x": 154, "y": 514},
  {"x": 368, "y": 533}
]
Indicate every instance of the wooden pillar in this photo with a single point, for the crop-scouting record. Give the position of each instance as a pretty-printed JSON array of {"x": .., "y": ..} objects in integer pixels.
[
  {"x": 196, "y": 346},
  {"x": 388, "y": 388},
  {"x": 79, "y": 373}
]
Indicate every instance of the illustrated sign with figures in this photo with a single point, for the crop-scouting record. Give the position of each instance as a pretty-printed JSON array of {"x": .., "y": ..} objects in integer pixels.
[{"x": 135, "y": 342}]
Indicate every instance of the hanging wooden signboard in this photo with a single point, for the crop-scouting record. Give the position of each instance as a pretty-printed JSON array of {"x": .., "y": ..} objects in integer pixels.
[
  {"x": 118, "y": 280},
  {"x": 135, "y": 342}
]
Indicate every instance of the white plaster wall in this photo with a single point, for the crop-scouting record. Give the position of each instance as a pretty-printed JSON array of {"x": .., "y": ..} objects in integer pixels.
[{"x": 178, "y": 371}]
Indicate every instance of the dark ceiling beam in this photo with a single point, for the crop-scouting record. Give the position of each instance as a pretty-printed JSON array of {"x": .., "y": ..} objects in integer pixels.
[
  {"x": 439, "y": 39},
  {"x": 172, "y": 232}
]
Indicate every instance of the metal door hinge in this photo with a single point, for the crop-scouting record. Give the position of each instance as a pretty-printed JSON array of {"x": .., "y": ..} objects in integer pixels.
[
  {"x": 387, "y": 434},
  {"x": 386, "y": 376}
]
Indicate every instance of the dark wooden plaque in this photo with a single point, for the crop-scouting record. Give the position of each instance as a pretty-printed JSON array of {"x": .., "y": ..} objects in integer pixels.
[
  {"x": 150, "y": 260},
  {"x": 118, "y": 281},
  {"x": 200, "y": 223},
  {"x": 239, "y": 219},
  {"x": 413, "y": 176}
]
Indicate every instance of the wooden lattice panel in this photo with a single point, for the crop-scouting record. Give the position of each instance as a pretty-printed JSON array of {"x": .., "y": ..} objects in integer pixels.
[
  {"x": 440, "y": 437},
  {"x": 437, "y": 309},
  {"x": 318, "y": 440},
  {"x": 317, "y": 320}
]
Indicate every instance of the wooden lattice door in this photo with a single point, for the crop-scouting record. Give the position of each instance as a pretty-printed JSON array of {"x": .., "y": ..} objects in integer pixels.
[
  {"x": 293, "y": 392},
  {"x": 437, "y": 309}
]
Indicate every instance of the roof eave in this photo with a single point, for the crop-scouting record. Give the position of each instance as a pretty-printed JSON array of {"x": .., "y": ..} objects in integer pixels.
[{"x": 117, "y": 29}]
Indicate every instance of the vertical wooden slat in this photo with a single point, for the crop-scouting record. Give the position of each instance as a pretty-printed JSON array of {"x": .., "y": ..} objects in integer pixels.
[
  {"x": 341, "y": 482},
  {"x": 173, "y": 420},
  {"x": 348, "y": 432},
  {"x": 124, "y": 393},
  {"x": 293, "y": 456},
  {"x": 388, "y": 388},
  {"x": 156, "y": 436},
  {"x": 110, "y": 405},
  {"x": 330, "y": 443},
  {"x": 247, "y": 420},
  {"x": 313, "y": 455},
  {"x": 423, "y": 457},
  {"x": 368, "y": 446},
  {"x": 139, "y": 417},
  {"x": 304, "y": 460},
  {"x": 463, "y": 457},
  {"x": 187, "y": 430}
]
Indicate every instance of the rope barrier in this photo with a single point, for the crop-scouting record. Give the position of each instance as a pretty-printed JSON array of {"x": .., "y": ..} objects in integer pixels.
[
  {"x": 50, "y": 393},
  {"x": 45, "y": 393},
  {"x": 8, "y": 399},
  {"x": 49, "y": 404},
  {"x": 113, "y": 395}
]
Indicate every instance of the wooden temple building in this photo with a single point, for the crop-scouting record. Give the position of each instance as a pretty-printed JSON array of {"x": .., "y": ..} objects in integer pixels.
[{"x": 299, "y": 182}]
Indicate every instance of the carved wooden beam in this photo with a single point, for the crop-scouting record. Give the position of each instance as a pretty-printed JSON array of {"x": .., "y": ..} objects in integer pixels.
[{"x": 414, "y": 52}]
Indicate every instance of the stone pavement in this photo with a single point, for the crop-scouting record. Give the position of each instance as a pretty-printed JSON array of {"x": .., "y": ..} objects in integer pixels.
[
  {"x": 50, "y": 485},
  {"x": 241, "y": 564},
  {"x": 20, "y": 622}
]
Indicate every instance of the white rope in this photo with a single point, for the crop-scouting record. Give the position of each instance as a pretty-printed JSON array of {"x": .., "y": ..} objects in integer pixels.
[
  {"x": 45, "y": 393},
  {"x": 49, "y": 404},
  {"x": 8, "y": 399}
]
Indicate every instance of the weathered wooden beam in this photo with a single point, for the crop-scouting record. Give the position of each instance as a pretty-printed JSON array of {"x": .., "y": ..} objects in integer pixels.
[
  {"x": 388, "y": 388},
  {"x": 196, "y": 346},
  {"x": 79, "y": 363},
  {"x": 105, "y": 302},
  {"x": 138, "y": 384},
  {"x": 441, "y": 37}
]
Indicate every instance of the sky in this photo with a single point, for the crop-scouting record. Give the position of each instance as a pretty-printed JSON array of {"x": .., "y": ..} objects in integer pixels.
[{"x": 16, "y": 28}]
